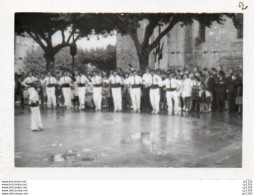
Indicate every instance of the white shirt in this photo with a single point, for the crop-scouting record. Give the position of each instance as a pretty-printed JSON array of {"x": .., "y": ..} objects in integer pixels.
[
  {"x": 96, "y": 80},
  {"x": 82, "y": 79},
  {"x": 207, "y": 93},
  {"x": 187, "y": 85},
  {"x": 29, "y": 80},
  {"x": 195, "y": 83},
  {"x": 34, "y": 97},
  {"x": 134, "y": 80},
  {"x": 146, "y": 77},
  {"x": 115, "y": 79},
  {"x": 154, "y": 80},
  {"x": 171, "y": 83},
  {"x": 49, "y": 80},
  {"x": 65, "y": 80}
]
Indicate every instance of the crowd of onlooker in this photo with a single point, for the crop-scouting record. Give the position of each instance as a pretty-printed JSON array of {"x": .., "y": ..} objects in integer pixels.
[{"x": 202, "y": 90}]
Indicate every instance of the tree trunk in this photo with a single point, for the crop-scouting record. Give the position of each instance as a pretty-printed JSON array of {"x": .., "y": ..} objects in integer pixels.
[
  {"x": 50, "y": 62},
  {"x": 143, "y": 60}
]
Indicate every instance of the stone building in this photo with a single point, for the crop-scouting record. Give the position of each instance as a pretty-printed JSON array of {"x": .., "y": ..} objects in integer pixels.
[{"x": 221, "y": 44}]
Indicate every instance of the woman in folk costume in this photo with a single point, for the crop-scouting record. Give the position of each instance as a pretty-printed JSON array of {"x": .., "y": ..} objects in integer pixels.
[
  {"x": 36, "y": 124},
  {"x": 186, "y": 92}
]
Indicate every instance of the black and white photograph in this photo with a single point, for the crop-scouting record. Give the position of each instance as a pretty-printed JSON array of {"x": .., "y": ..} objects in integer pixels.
[{"x": 128, "y": 90}]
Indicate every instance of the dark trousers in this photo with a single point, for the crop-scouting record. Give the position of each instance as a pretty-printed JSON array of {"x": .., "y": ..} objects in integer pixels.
[
  {"x": 76, "y": 101},
  {"x": 231, "y": 102},
  {"x": 19, "y": 94},
  {"x": 214, "y": 103},
  {"x": 145, "y": 100},
  {"x": 221, "y": 97}
]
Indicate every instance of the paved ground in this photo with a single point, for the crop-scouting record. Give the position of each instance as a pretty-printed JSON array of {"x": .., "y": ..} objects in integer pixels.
[{"x": 106, "y": 139}]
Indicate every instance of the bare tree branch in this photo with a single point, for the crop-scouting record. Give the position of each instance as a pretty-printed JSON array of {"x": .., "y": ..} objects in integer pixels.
[
  {"x": 37, "y": 39},
  {"x": 148, "y": 32},
  {"x": 75, "y": 40},
  {"x": 164, "y": 32},
  {"x": 59, "y": 46},
  {"x": 63, "y": 36},
  {"x": 71, "y": 34}
]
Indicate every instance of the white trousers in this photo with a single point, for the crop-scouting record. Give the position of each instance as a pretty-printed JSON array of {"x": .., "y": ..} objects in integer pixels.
[
  {"x": 97, "y": 97},
  {"x": 135, "y": 98},
  {"x": 36, "y": 123},
  {"x": 155, "y": 99},
  {"x": 51, "y": 96},
  {"x": 67, "y": 96},
  {"x": 82, "y": 96},
  {"x": 172, "y": 95},
  {"x": 117, "y": 98}
]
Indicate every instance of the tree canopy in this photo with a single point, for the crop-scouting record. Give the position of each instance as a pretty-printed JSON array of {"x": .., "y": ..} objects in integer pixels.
[{"x": 42, "y": 26}]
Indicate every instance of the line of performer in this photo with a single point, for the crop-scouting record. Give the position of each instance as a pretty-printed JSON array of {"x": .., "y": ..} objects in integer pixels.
[{"x": 151, "y": 82}]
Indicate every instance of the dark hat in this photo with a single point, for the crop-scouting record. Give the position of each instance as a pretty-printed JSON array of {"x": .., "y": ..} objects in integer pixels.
[{"x": 221, "y": 73}]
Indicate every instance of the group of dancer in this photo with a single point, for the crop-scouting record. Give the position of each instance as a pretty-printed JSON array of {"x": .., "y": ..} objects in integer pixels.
[{"x": 176, "y": 91}]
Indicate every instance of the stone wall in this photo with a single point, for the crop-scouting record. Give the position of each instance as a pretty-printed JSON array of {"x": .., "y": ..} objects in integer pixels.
[
  {"x": 221, "y": 46},
  {"x": 180, "y": 47}
]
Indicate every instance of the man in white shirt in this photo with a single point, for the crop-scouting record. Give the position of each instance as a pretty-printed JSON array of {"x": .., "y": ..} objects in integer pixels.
[
  {"x": 135, "y": 81},
  {"x": 116, "y": 82},
  {"x": 154, "y": 83},
  {"x": 172, "y": 85},
  {"x": 145, "y": 91},
  {"x": 97, "y": 90},
  {"x": 82, "y": 81},
  {"x": 51, "y": 83},
  {"x": 65, "y": 82}
]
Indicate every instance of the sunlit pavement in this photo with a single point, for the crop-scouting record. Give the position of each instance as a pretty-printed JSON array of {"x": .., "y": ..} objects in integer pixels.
[{"x": 106, "y": 139}]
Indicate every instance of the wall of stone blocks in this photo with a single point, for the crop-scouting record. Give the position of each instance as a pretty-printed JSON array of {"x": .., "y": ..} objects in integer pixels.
[{"x": 221, "y": 47}]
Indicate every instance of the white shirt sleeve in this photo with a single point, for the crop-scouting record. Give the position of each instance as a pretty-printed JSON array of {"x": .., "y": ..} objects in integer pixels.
[{"x": 25, "y": 81}]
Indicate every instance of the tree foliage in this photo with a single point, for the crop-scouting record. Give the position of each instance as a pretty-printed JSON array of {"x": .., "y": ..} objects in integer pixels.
[
  {"x": 102, "y": 58},
  {"x": 42, "y": 26}
]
